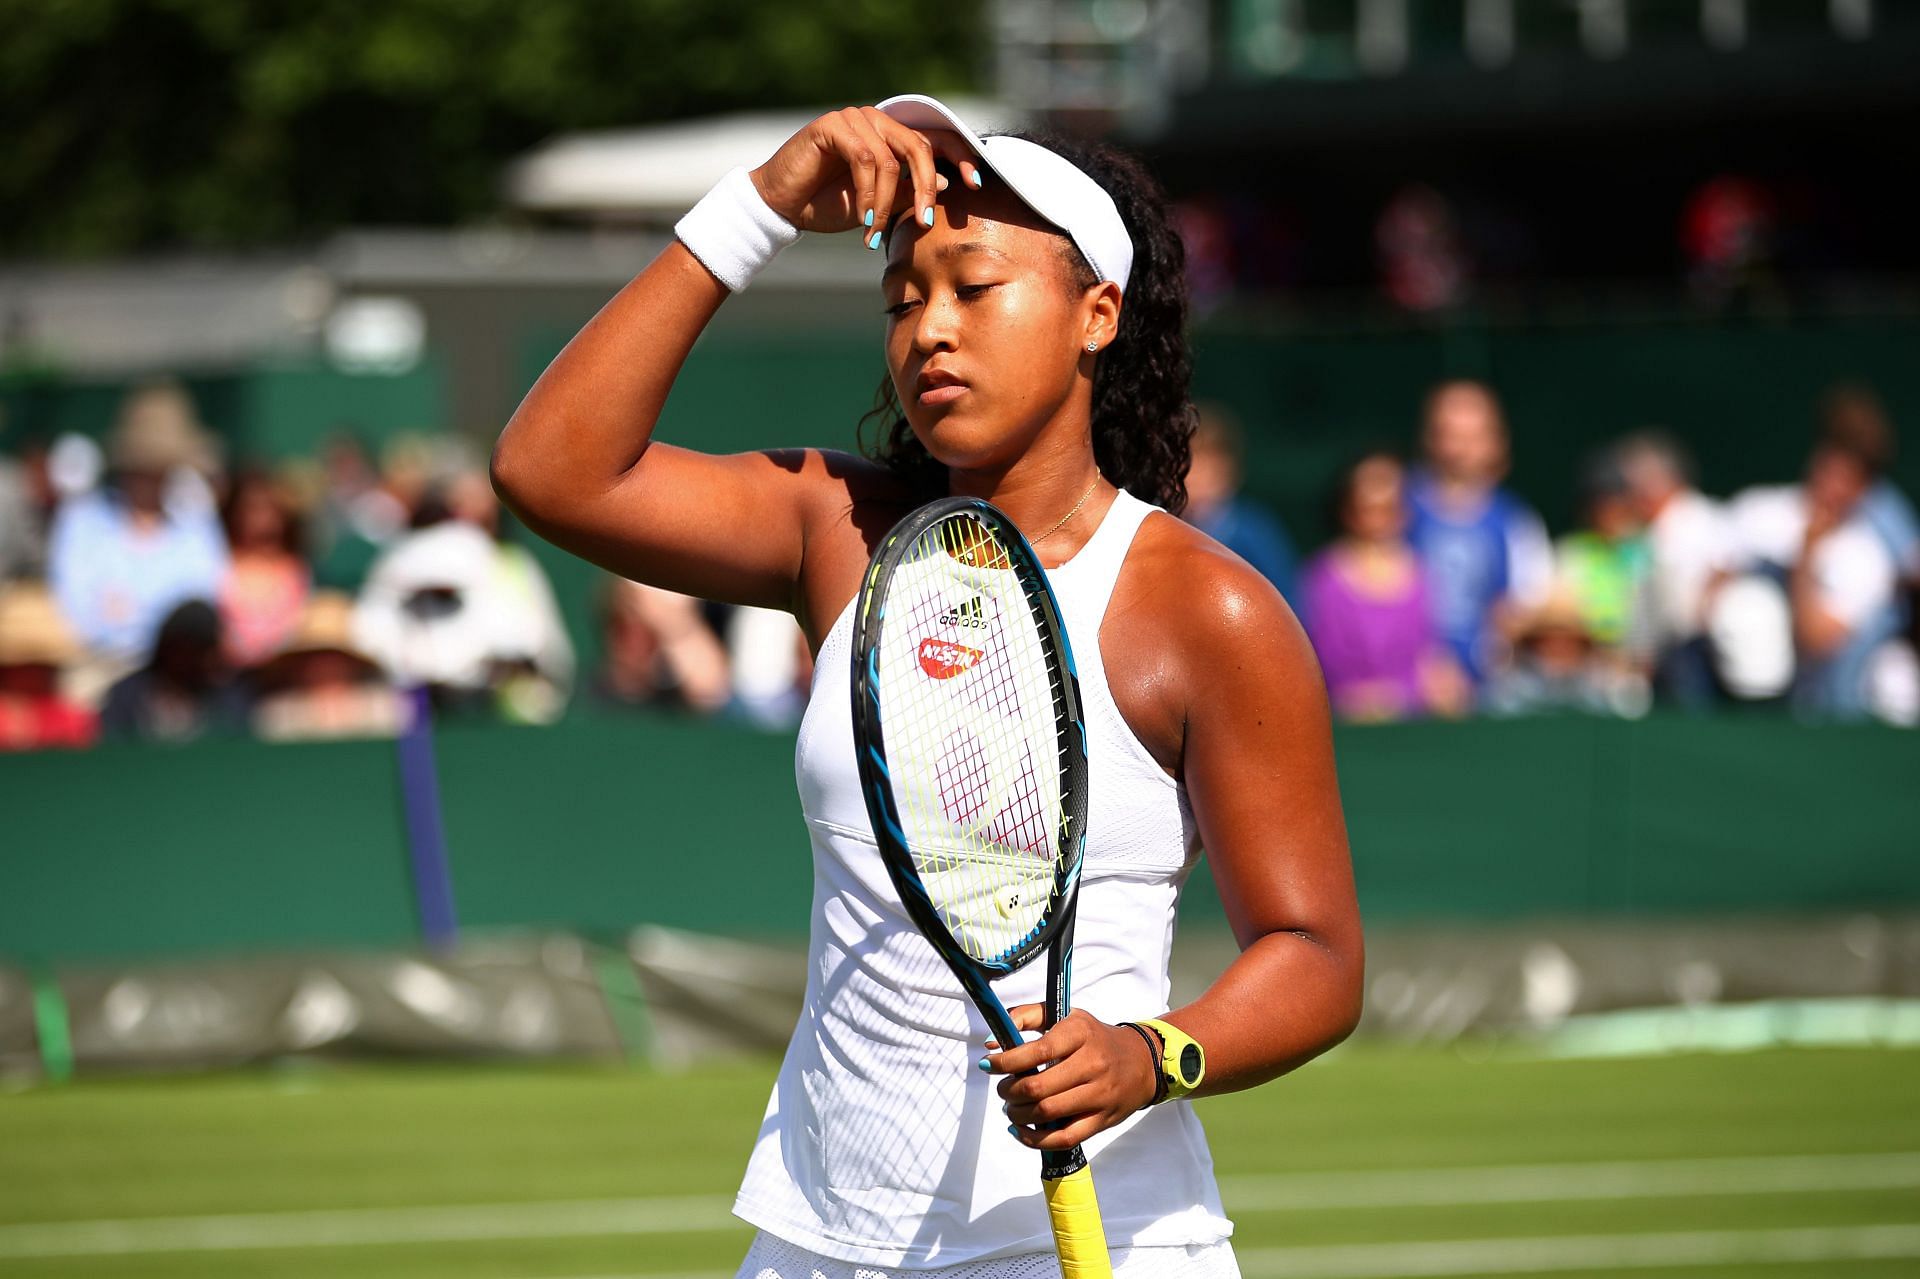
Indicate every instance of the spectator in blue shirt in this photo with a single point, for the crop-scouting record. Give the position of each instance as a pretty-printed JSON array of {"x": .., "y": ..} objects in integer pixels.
[
  {"x": 1486, "y": 552},
  {"x": 123, "y": 557},
  {"x": 1216, "y": 507}
]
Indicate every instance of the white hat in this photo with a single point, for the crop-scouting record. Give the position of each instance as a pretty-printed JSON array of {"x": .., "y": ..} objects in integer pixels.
[{"x": 1048, "y": 183}]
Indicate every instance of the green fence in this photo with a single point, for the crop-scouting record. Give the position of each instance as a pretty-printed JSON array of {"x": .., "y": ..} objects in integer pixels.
[{"x": 599, "y": 824}]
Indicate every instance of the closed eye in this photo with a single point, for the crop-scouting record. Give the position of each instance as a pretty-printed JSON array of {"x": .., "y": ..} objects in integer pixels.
[{"x": 902, "y": 307}]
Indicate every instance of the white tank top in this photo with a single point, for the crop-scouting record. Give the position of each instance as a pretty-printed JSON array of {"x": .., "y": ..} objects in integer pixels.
[{"x": 882, "y": 1142}]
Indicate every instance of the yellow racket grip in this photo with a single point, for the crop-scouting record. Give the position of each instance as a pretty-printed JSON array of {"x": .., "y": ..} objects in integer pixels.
[{"x": 1078, "y": 1236}]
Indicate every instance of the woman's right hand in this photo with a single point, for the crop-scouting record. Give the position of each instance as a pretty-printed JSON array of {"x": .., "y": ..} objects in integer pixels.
[{"x": 857, "y": 164}]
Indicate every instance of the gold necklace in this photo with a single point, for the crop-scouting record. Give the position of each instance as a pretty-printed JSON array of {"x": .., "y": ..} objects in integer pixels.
[{"x": 1035, "y": 541}]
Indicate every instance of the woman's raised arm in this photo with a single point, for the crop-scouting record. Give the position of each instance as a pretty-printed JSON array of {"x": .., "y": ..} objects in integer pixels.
[{"x": 577, "y": 462}]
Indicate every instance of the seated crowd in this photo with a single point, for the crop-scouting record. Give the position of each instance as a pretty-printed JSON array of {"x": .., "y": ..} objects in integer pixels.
[
  {"x": 1441, "y": 594},
  {"x": 149, "y": 593}
]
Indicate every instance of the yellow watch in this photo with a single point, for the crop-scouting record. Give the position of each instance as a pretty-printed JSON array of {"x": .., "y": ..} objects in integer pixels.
[{"x": 1183, "y": 1062}]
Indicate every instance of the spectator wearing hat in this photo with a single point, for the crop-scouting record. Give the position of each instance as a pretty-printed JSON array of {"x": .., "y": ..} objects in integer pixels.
[
  {"x": 35, "y": 646},
  {"x": 185, "y": 690},
  {"x": 452, "y": 608},
  {"x": 1486, "y": 552},
  {"x": 1557, "y": 664},
  {"x": 322, "y": 685},
  {"x": 121, "y": 558}
]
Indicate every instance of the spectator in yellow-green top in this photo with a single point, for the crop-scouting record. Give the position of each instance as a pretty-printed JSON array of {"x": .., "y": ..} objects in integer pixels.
[{"x": 1605, "y": 567}]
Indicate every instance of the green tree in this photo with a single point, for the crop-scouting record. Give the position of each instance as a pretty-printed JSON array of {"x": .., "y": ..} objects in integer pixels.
[{"x": 146, "y": 123}]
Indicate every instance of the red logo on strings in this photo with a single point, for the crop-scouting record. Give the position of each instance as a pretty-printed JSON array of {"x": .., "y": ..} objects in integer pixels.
[{"x": 943, "y": 659}]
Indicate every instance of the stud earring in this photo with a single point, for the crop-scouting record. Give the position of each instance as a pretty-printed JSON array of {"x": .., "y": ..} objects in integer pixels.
[{"x": 1093, "y": 346}]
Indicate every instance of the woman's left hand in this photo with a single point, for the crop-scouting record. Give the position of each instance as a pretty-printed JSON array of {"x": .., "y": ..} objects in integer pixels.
[{"x": 1095, "y": 1076}]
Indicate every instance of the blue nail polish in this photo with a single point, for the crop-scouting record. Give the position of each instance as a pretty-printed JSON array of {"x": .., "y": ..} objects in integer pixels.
[
  {"x": 977, "y": 180},
  {"x": 928, "y": 217},
  {"x": 984, "y": 1064},
  {"x": 1012, "y": 1131},
  {"x": 874, "y": 243},
  {"x": 869, "y": 221}
]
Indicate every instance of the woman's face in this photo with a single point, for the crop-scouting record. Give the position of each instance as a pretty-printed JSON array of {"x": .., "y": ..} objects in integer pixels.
[
  {"x": 258, "y": 523},
  {"x": 1375, "y": 508},
  {"x": 986, "y": 331}
]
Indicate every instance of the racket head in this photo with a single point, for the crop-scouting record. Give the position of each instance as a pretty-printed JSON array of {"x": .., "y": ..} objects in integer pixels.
[{"x": 969, "y": 735}]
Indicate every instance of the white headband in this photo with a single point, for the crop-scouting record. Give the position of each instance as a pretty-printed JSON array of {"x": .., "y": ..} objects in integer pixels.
[{"x": 1046, "y": 182}]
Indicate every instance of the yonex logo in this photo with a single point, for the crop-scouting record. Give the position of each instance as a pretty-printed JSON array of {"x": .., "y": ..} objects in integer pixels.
[
  {"x": 944, "y": 660},
  {"x": 972, "y": 613}
]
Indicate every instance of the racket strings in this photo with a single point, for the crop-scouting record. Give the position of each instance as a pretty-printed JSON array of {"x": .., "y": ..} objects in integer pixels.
[{"x": 970, "y": 732}]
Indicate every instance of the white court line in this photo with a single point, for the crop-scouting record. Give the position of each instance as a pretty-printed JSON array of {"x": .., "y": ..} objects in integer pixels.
[
  {"x": 1543, "y": 1183},
  {"x": 1439, "y": 1257},
  {"x": 1434, "y": 1259},
  {"x": 331, "y": 1228},
  {"x": 1788, "y": 1174}
]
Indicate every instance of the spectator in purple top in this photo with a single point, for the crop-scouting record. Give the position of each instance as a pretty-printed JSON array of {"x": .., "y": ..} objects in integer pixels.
[{"x": 1365, "y": 603}]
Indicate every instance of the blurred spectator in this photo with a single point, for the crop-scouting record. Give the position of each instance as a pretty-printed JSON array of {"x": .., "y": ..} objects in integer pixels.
[
  {"x": 121, "y": 558},
  {"x": 1728, "y": 234},
  {"x": 321, "y": 685},
  {"x": 659, "y": 652},
  {"x": 1605, "y": 568},
  {"x": 449, "y": 607},
  {"x": 1853, "y": 412},
  {"x": 767, "y": 653},
  {"x": 268, "y": 582},
  {"x": 357, "y": 516},
  {"x": 1422, "y": 255},
  {"x": 35, "y": 646},
  {"x": 185, "y": 691},
  {"x": 1216, "y": 507},
  {"x": 1893, "y": 672},
  {"x": 1558, "y": 665},
  {"x": 1842, "y": 577},
  {"x": 1691, "y": 553},
  {"x": 1486, "y": 552},
  {"x": 1364, "y": 600},
  {"x": 21, "y": 548}
]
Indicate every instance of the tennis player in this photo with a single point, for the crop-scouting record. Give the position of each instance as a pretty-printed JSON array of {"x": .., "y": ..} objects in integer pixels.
[{"x": 1035, "y": 356}]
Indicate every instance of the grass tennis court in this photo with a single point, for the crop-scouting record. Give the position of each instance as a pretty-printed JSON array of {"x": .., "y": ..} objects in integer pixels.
[{"x": 1379, "y": 1162}]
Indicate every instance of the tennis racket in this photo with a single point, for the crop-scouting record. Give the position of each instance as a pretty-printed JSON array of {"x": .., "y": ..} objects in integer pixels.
[{"x": 973, "y": 761}]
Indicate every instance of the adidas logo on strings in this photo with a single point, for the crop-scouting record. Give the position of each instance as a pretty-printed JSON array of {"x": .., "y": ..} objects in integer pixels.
[{"x": 972, "y": 613}]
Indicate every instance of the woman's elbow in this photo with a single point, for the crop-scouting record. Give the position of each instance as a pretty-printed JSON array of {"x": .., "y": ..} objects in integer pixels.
[{"x": 514, "y": 478}]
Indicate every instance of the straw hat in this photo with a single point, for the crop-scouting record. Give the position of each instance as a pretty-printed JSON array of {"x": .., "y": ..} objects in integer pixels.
[
  {"x": 1559, "y": 611},
  {"x": 157, "y": 430},
  {"x": 32, "y": 631},
  {"x": 325, "y": 627}
]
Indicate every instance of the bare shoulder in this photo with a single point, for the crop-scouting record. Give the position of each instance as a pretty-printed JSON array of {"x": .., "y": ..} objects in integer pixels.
[
  {"x": 1200, "y": 598},
  {"x": 1195, "y": 636}
]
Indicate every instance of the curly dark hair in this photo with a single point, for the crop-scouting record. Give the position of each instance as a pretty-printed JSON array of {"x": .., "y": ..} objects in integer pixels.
[{"x": 1143, "y": 420}]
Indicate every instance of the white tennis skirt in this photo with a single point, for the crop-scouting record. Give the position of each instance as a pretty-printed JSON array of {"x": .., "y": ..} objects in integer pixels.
[{"x": 773, "y": 1258}]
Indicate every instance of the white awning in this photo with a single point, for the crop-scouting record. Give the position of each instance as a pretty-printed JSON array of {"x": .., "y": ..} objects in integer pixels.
[{"x": 659, "y": 171}]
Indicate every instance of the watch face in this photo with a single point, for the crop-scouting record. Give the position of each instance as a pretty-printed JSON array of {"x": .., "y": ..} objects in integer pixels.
[{"x": 1190, "y": 1064}]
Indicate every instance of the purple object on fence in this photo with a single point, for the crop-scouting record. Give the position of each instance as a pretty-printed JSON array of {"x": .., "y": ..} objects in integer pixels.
[{"x": 426, "y": 836}]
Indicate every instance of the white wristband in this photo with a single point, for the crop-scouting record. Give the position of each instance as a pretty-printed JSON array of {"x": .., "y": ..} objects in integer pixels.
[{"x": 733, "y": 231}]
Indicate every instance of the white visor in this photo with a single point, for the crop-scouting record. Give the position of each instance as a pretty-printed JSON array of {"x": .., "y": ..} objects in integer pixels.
[{"x": 1046, "y": 182}]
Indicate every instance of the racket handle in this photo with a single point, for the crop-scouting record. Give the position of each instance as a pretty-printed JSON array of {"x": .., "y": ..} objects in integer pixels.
[{"x": 1078, "y": 1236}]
